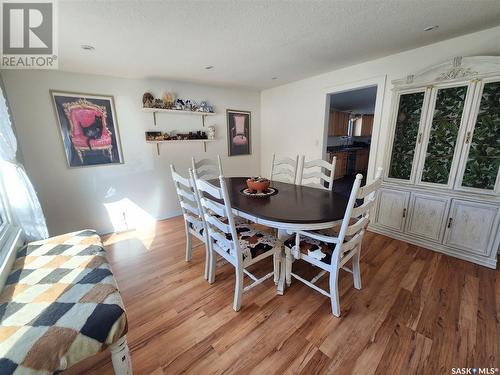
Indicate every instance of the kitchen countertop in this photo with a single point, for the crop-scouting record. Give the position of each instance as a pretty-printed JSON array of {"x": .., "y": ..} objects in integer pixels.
[{"x": 346, "y": 148}]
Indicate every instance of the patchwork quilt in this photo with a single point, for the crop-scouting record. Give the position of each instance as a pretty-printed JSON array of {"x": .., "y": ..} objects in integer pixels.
[{"x": 60, "y": 305}]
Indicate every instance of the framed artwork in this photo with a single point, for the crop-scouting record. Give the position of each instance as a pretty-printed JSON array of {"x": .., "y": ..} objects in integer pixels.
[
  {"x": 238, "y": 132},
  {"x": 88, "y": 128}
]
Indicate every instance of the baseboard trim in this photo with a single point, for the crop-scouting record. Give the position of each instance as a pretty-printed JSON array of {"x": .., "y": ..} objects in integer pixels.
[{"x": 482, "y": 261}]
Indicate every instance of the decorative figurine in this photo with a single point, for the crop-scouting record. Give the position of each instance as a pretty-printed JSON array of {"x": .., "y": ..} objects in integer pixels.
[
  {"x": 158, "y": 103},
  {"x": 211, "y": 132},
  {"x": 179, "y": 104},
  {"x": 188, "y": 106},
  {"x": 168, "y": 100},
  {"x": 147, "y": 100},
  {"x": 202, "y": 106}
]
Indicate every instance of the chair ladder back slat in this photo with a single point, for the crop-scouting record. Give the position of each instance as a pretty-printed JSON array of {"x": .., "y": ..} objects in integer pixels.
[
  {"x": 215, "y": 207},
  {"x": 357, "y": 226},
  {"x": 318, "y": 236},
  {"x": 369, "y": 188},
  {"x": 217, "y": 230},
  {"x": 316, "y": 174},
  {"x": 349, "y": 209},
  {"x": 192, "y": 219},
  {"x": 360, "y": 210},
  {"x": 285, "y": 168},
  {"x": 221, "y": 241},
  {"x": 214, "y": 221},
  {"x": 185, "y": 195},
  {"x": 194, "y": 210},
  {"x": 205, "y": 187},
  {"x": 315, "y": 170},
  {"x": 352, "y": 242},
  {"x": 207, "y": 169},
  {"x": 179, "y": 179}
]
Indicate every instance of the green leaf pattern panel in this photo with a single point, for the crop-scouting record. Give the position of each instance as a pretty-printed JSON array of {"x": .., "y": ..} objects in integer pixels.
[
  {"x": 443, "y": 136},
  {"x": 405, "y": 135},
  {"x": 484, "y": 153}
]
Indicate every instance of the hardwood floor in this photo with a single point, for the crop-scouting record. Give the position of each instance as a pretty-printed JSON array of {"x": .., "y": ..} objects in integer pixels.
[{"x": 419, "y": 312}]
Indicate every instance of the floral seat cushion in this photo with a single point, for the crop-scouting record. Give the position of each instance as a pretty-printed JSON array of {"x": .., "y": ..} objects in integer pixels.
[
  {"x": 314, "y": 248},
  {"x": 197, "y": 225},
  {"x": 252, "y": 241},
  {"x": 60, "y": 305}
]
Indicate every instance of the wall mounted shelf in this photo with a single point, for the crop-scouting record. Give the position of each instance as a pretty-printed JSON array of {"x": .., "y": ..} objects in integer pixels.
[
  {"x": 180, "y": 141},
  {"x": 178, "y": 111},
  {"x": 154, "y": 111}
]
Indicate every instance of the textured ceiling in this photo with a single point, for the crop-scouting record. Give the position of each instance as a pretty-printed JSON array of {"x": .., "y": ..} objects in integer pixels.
[
  {"x": 249, "y": 42},
  {"x": 360, "y": 101}
]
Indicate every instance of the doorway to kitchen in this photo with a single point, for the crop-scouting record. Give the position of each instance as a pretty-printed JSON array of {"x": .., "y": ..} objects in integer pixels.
[{"x": 349, "y": 131}]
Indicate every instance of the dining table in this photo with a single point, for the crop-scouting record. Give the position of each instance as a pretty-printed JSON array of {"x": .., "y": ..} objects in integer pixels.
[{"x": 291, "y": 208}]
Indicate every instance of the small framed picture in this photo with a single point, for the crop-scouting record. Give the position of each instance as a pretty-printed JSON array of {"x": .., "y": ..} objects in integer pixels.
[
  {"x": 89, "y": 129},
  {"x": 238, "y": 132}
]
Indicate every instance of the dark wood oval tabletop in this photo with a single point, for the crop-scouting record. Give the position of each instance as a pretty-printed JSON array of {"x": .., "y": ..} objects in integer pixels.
[{"x": 293, "y": 204}]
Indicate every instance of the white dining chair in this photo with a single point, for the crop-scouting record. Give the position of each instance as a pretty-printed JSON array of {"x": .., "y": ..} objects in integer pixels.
[
  {"x": 314, "y": 173},
  {"x": 194, "y": 222},
  {"x": 240, "y": 245},
  {"x": 331, "y": 250},
  {"x": 207, "y": 169},
  {"x": 284, "y": 168}
]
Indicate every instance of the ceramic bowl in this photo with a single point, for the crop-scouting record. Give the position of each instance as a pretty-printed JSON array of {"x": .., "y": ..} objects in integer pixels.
[{"x": 258, "y": 186}]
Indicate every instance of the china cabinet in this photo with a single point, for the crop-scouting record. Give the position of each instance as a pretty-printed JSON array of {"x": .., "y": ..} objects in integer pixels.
[{"x": 442, "y": 184}]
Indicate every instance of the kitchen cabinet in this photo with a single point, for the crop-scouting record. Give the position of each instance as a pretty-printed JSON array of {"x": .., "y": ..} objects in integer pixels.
[
  {"x": 338, "y": 124},
  {"x": 363, "y": 126},
  {"x": 366, "y": 125},
  {"x": 341, "y": 164},
  {"x": 362, "y": 160}
]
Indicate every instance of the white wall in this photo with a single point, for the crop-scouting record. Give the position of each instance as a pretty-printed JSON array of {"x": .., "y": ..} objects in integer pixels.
[
  {"x": 74, "y": 198},
  {"x": 295, "y": 113}
]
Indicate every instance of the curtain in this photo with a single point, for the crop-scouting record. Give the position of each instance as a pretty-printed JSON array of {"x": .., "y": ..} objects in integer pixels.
[{"x": 24, "y": 208}]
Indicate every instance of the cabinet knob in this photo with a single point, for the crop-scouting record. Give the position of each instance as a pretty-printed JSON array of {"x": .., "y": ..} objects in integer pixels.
[
  {"x": 404, "y": 212},
  {"x": 450, "y": 220}
]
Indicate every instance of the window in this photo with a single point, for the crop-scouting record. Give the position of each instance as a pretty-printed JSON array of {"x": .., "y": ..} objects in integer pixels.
[{"x": 9, "y": 237}]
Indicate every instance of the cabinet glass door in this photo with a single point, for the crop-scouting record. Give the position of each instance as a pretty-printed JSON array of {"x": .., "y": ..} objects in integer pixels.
[
  {"x": 483, "y": 161},
  {"x": 445, "y": 126},
  {"x": 405, "y": 135}
]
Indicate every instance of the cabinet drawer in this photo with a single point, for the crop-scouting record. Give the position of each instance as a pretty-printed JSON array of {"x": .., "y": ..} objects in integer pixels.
[
  {"x": 471, "y": 226},
  {"x": 392, "y": 209},
  {"x": 427, "y": 216}
]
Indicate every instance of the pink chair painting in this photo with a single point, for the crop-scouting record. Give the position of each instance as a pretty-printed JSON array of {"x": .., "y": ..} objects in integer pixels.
[
  {"x": 239, "y": 132},
  {"x": 88, "y": 126}
]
